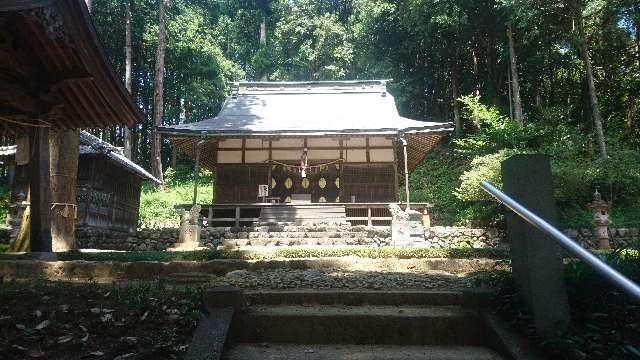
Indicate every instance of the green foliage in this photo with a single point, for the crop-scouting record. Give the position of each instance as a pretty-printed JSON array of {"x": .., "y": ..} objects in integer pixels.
[
  {"x": 157, "y": 206},
  {"x": 4, "y": 248},
  {"x": 435, "y": 180},
  {"x": 5, "y": 192},
  {"x": 486, "y": 167}
]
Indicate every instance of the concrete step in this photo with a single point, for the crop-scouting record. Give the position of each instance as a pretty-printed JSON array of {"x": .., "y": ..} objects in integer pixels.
[
  {"x": 369, "y": 324},
  {"x": 364, "y": 297},
  {"x": 269, "y": 351}
]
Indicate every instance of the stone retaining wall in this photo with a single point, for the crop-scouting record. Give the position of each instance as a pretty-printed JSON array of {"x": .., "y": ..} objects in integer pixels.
[
  {"x": 617, "y": 236},
  {"x": 457, "y": 237},
  {"x": 436, "y": 236},
  {"x": 145, "y": 239}
]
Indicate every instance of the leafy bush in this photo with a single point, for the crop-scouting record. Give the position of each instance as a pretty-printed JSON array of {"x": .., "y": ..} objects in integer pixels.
[
  {"x": 157, "y": 206},
  {"x": 435, "y": 180},
  {"x": 449, "y": 177}
]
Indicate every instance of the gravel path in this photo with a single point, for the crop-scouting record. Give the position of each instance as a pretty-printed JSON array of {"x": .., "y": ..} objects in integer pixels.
[{"x": 341, "y": 279}]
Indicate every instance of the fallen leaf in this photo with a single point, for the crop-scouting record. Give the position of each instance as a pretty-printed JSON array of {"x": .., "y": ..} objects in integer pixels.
[
  {"x": 131, "y": 340},
  {"x": 106, "y": 317},
  {"x": 38, "y": 313},
  {"x": 85, "y": 338},
  {"x": 46, "y": 298},
  {"x": 18, "y": 347},
  {"x": 173, "y": 317},
  {"x": 36, "y": 353},
  {"x": 64, "y": 308},
  {"x": 65, "y": 339},
  {"x": 97, "y": 353},
  {"x": 82, "y": 328},
  {"x": 95, "y": 310},
  {"x": 107, "y": 310},
  {"x": 124, "y": 356},
  {"x": 20, "y": 327},
  {"x": 5, "y": 317},
  {"x": 144, "y": 316},
  {"x": 107, "y": 294},
  {"x": 42, "y": 325}
]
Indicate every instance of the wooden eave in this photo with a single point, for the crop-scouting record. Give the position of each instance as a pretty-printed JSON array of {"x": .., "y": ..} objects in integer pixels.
[
  {"x": 419, "y": 143},
  {"x": 71, "y": 83}
]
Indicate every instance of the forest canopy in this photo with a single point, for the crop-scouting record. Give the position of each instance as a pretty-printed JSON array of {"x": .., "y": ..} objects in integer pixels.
[{"x": 558, "y": 77}]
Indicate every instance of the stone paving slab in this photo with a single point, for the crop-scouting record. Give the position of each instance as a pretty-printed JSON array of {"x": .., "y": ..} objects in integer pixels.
[{"x": 270, "y": 351}]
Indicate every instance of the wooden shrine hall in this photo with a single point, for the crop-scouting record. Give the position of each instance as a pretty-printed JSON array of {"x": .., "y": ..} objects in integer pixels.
[{"x": 317, "y": 148}]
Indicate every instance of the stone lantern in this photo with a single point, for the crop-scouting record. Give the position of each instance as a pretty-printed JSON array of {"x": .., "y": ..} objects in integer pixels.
[{"x": 600, "y": 209}]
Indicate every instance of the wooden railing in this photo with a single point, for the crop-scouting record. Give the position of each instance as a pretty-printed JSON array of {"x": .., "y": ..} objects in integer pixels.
[{"x": 370, "y": 214}]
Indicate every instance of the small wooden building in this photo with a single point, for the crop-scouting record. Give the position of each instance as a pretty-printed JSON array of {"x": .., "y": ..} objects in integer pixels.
[
  {"x": 108, "y": 190},
  {"x": 108, "y": 187},
  {"x": 337, "y": 143}
]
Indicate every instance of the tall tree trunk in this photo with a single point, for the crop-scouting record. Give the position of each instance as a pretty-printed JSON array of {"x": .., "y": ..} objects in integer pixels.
[
  {"x": 637, "y": 26},
  {"x": 263, "y": 34},
  {"x": 127, "y": 74},
  {"x": 455, "y": 91},
  {"x": 515, "y": 83},
  {"x": 156, "y": 160},
  {"x": 89, "y": 4},
  {"x": 593, "y": 96},
  {"x": 63, "y": 150}
]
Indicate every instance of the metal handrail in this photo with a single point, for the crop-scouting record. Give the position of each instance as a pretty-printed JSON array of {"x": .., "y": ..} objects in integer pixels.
[{"x": 571, "y": 246}]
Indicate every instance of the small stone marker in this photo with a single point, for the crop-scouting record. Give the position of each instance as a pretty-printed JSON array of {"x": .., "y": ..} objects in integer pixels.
[
  {"x": 536, "y": 258},
  {"x": 212, "y": 331}
]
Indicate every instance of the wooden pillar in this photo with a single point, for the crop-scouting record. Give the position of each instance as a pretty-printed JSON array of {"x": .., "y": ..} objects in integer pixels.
[
  {"x": 40, "y": 232},
  {"x": 63, "y": 148},
  {"x": 196, "y": 172},
  {"x": 406, "y": 170}
]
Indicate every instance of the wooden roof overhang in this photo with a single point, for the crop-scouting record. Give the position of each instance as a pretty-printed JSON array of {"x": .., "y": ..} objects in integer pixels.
[
  {"x": 419, "y": 141},
  {"x": 53, "y": 71}
]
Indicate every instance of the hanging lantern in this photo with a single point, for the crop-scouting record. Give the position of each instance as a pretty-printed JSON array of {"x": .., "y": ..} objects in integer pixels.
[{"x": 304, "y": 163}]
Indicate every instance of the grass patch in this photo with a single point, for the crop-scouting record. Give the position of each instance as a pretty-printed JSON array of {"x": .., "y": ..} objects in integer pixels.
[
  {"x": 4, "y": 248},
  {"x": 71, "y": 321},
  {"x": 605, "y": 321},
  {"x": 288, "y": 253}
]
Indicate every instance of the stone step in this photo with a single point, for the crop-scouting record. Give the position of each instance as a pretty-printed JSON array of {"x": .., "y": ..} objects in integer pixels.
[
  {"x": 298, "y": 242},
  {"x": 364, "y": 297},
  {"x": 300, "y": 228},
  {"x": 342, "y": 324},
  {"x": 274, "y": 351},
  {"x": 302, "y": 234}
]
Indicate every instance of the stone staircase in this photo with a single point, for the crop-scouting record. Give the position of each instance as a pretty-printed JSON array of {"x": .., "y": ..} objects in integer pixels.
[
  {"x": 304, "y": 235},
  {"x": 359, "y": 324}
]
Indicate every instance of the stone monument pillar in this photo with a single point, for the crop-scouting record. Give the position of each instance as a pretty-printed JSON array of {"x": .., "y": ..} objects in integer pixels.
[
  {"x": 600, "y": 209},
  {"x": 536, "y": 259}
]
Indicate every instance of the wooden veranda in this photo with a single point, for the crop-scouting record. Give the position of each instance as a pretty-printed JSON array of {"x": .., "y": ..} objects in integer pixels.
[{"x": 225, "y": 215}]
